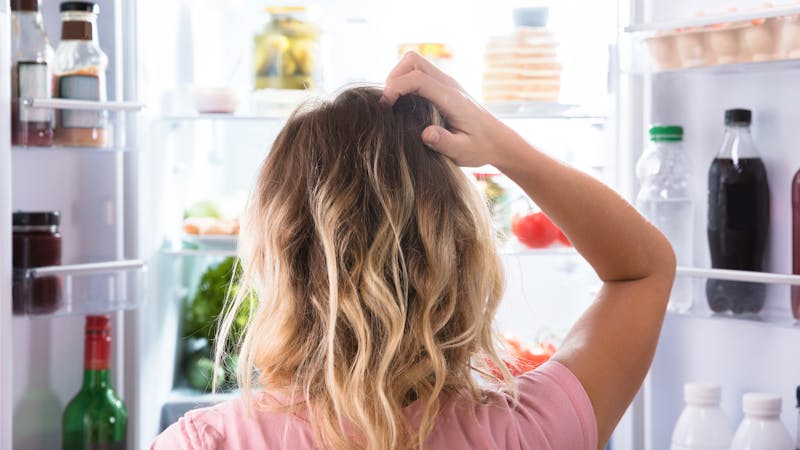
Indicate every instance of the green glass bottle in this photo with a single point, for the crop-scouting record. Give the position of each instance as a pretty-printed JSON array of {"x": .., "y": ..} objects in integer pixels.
[{"x": 96, "y": 418}]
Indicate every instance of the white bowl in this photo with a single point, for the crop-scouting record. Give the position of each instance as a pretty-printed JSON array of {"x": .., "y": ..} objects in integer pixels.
[{"x": 214, "y": 100}]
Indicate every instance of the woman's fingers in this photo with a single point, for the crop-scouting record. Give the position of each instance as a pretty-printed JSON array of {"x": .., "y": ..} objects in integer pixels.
[
  {"x": 446, "y": 98},
  {"x": 447, "y": 143},
  {"x": 412, "y": 61}
]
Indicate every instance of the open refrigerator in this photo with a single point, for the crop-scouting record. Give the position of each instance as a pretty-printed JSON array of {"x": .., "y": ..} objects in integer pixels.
[{"x": 125, "y": 251}]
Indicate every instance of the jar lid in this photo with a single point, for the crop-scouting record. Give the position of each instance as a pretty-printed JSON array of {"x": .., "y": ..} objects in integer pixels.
[
  {"x": 531, "y": 17},
  {"x": 669, "y": 133},
  {"x": 25, "y": 5},
  {"x": 738, "y": 116},
  {"x": 761, "y": 404},
  {"x": 80, "y": 6},
  {"x": 701, "y": 394},
  {"x": 36, "y": 219}
]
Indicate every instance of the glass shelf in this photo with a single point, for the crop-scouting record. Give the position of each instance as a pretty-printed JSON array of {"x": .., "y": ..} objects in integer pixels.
[
  {"x": 762, "y": 40},
  {"x": 700, "y": 21},
  {"x": 60, "y": 103},
  {"x": 60, "y": 149},
  {"x": 766, "y": 295},
  {"x": 541, "y": 110},
  {"x": 199, "y": 252},
  {"x": 233, "y": 118},
  {"x": 77, "y": 289}
]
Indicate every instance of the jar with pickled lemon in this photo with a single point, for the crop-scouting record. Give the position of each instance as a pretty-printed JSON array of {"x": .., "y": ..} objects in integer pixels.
[{"x": 287, "y": 51}]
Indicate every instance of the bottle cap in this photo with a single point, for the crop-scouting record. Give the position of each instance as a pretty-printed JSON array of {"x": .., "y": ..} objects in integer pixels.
[
  {"x": 98, "y": 323},
  {"x": 531, "y": 17},
  {"x": 701, "y": 394},
  {"x": 738, "y": 116},
  {"x": 797, "y": 393},
  {"x": 666, "y": 133},
  {"x": 25, "y": 5},
  {"x": 36, "y": 219},
  {"x": 80, "y": 6},
  {"x": 761, "y": 404}
]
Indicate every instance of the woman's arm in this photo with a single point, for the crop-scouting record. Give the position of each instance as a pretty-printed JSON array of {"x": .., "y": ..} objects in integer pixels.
[{"x": 611, "y": 346}]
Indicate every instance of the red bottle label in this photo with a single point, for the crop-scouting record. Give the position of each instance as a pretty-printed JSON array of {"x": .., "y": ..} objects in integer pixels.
[{"x": 97, "y": 350}]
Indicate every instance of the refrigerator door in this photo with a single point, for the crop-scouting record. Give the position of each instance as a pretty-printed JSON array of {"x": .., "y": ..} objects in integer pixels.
[{"x": 740, "y": 354}]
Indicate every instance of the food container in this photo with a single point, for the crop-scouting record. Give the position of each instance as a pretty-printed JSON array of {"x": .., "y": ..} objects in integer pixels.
[
  {"x": 36, "y": 242},
  {"x": 664, "y": 51},
  {"x": 725, "y": 42},
  {"x": 761, "y": 39},
  {"x": 789, "y": 38},
  {"x": 693, "y": 48},
  {"x": 287, "y": 52},
  {"x": 439, "y": 53}
]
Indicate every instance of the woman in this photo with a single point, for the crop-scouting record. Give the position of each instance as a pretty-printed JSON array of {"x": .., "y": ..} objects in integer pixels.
[{"x": 377, "y": 282}]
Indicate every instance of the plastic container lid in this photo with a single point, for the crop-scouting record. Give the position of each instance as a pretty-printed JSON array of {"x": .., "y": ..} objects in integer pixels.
[
  {"x": 738, "y": 116},
  {"x": 702, "y": 394},
  {"x": 670, "y": 133},
  {"x": 531, "y": 17},
  {"x": 761, "y": 404},
  {"x": 80, "y": 6},
  {"x": 25, "y": 5},
  {"x": 36, "y": 219}
]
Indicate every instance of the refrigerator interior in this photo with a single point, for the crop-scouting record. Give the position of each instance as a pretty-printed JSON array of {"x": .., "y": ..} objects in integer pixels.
[
  {"x": 738, "y": 354},
  {"x": 195, "y": 157}
]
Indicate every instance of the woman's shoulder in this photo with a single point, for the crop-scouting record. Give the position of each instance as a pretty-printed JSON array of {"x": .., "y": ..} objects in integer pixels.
[
  {"x": 202, "y": 428},
  {"x": 234, "y": 425}
]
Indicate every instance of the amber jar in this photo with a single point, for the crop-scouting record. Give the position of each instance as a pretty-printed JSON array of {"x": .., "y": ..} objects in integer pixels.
[{"x": 36, "y": 243}]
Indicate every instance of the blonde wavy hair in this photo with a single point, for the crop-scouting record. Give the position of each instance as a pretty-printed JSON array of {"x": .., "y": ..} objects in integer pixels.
[{"x": 374, "y": 264}]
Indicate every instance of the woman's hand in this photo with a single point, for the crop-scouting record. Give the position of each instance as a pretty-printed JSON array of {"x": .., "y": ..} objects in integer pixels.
[{"x": 473, "y": 135}]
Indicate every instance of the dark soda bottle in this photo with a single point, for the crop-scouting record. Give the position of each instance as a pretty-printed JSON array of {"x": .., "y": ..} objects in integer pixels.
[{"x": 738, "y": 217}]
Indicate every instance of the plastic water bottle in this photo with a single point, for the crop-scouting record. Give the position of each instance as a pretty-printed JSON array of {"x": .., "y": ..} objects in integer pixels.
[
  {"x": 702, "y": 424},
  {"x": 663, "y": 173},
  {"x": 761, "y": 427}
]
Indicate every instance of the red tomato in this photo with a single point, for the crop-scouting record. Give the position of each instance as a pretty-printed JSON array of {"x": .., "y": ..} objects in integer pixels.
[
  {"x": 535, "y": 230},
  {"x": 562, "y": 238}
]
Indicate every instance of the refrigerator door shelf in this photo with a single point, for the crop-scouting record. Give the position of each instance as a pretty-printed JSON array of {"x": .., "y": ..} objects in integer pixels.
[
  {"x": 77, "y": 289},
  {"x": 61, "y": 149},
  {"x": 88, "y": 105},
  {"x": 771, "y": 42},
  {"x": 756, "y": 297}
]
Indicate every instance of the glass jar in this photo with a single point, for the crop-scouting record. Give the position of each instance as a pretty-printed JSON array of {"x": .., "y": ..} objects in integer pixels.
[
  {"x": 36, "y": 242},
  {"x": 31, "y": 75},
  {"x": 80, "y": 70},
  {"x": 287, "y": 52}
]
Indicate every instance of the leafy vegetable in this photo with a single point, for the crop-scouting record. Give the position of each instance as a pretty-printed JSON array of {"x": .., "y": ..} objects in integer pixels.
[{"x": 204, "y": 309}]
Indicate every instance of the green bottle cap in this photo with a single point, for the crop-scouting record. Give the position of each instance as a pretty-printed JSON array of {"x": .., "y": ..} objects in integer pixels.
[{"x": 668, "y": 133}]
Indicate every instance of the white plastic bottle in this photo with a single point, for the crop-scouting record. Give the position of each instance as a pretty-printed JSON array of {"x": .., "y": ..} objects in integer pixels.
[
  {"x": 761, "y": 428},
  {"x": 702, "y": 425},
  {"x": 663, "y": 173}
]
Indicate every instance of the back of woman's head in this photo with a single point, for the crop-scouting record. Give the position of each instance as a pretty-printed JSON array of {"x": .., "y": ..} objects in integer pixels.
[{"x": 374, "y": 265}]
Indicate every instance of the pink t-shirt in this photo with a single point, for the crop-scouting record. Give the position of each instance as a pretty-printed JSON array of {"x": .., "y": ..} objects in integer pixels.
[{"x": 553, "y": 412}]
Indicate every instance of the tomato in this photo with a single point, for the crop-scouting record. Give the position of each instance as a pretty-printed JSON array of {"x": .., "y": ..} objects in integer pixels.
[
  {"x": 522, "y": 359},
  {"x": 535, "y": 230},
  {"x": 562, "y": 238}
]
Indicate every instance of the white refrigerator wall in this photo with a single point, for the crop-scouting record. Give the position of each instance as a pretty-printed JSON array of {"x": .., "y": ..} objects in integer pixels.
[{"x": 740, "y": 356}]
